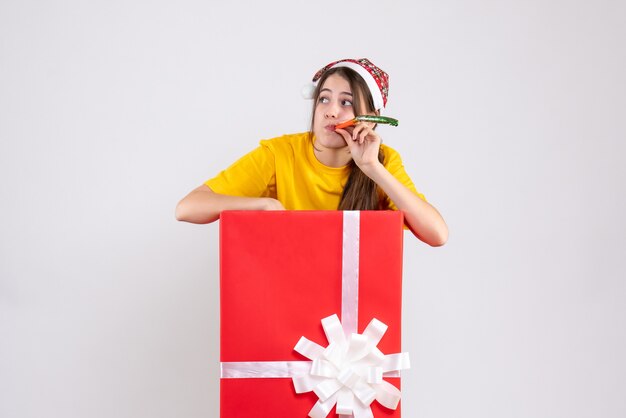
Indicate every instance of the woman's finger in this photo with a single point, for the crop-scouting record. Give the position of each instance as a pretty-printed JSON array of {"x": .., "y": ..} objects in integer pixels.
[
  {"x": 361, "y": 131},
  {"x": 368, "y": 134},
  {"x": 345, "y": 134},
  {"x": 356, "y": 130},
  {"x": 364, "y": 134}
]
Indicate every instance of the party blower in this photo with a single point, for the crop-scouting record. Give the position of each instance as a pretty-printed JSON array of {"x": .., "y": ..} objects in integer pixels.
[{"x": 368, "y": 118}]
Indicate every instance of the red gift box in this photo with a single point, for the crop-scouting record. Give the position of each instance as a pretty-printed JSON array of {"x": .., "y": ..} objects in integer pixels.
[{"x": 281, "y": 273}]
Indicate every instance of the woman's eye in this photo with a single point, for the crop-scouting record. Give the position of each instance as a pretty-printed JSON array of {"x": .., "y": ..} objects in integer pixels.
[
  {"x": 323, "y": 100},
  {"x": 346, "y": 103}
]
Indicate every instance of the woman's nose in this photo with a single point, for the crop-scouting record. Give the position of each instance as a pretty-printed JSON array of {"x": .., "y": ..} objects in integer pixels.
[{"x": 331, "y": 111}]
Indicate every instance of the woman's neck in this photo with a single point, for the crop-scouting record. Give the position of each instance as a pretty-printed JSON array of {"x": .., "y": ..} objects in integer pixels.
[{"x": 332, "y": 157}]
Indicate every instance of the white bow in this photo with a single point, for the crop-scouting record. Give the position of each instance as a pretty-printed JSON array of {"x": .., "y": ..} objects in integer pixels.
[{"x": 349, "y": 371}]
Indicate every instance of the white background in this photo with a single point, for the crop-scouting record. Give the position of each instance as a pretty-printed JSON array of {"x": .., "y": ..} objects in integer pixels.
[{"x": 512, "y": 122}]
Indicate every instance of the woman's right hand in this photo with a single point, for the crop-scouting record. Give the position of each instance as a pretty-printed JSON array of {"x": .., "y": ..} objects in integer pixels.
[{"x": 271, "y": 204}]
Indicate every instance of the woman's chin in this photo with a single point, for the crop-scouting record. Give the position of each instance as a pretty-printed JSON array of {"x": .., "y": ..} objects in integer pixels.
[{"x": 331, "y": 140}]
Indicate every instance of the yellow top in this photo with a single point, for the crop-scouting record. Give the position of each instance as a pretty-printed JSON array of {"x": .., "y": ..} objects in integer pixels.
[{"x": 286, "y": 169}]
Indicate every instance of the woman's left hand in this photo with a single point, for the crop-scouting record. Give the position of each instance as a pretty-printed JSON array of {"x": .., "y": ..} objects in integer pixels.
[{"x": 364, "y": 144}]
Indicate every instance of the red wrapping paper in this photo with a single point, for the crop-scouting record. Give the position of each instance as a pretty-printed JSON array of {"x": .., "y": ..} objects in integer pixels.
[{"x": 281, "y": 273}]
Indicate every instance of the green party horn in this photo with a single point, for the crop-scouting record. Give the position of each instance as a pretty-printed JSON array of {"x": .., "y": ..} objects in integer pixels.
[{"x": 368, "y": 118}]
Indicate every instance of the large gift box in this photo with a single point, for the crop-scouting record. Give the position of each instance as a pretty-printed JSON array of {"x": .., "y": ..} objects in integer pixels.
[{"x": 296, "y": 289}]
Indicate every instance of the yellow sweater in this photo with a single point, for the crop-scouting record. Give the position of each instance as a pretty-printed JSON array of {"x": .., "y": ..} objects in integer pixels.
[{"x": 286, "y": 169}]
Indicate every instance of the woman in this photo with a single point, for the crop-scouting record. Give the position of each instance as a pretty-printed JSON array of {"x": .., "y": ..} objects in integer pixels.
[{"x": 326, "y": 168}]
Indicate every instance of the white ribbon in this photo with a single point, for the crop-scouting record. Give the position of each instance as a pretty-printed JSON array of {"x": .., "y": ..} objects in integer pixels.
[
  {"x": 350, "y": 271},
  {"x": 262, "y": 369},
  {"x": 349, "y": 371}
]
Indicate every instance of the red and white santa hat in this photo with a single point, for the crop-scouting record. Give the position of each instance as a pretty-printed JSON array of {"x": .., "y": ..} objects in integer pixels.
[{"x": 376, "y": 79}]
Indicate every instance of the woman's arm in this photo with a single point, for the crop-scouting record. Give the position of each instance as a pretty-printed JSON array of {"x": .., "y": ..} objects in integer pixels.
[
  {"x": 202, "y": 205},
  {"x": 421, "y": 217}
]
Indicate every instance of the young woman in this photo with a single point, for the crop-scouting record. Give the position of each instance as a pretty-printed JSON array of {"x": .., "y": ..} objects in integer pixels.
[{"x": 327, "y": 168}]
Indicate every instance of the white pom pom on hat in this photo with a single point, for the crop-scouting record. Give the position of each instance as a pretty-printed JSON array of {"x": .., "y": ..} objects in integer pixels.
[
  {"x": 308, "y": 90},
  {"x": 376, "y": 79}
]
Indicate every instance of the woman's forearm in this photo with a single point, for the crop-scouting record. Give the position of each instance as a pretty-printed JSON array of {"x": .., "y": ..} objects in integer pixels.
[
  {"x": 203, "y": 206},
  {"x": 421, "y": 217}
]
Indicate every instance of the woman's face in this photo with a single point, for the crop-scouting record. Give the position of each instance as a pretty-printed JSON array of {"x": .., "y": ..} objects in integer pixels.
[{"x": 334, "y": 105}]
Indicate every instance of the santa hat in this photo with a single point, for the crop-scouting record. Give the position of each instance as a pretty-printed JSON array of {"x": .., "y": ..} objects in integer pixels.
[{"x": 376, "y": 79}]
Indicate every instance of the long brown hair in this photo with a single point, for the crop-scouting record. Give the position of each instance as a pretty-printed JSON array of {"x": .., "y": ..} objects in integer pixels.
[{"x": 360, "y": 191}]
